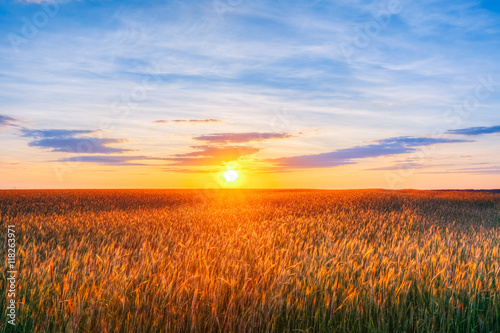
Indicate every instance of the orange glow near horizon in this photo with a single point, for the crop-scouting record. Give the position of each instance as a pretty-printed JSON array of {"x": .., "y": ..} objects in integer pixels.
[{"x": 86, "y": 175}]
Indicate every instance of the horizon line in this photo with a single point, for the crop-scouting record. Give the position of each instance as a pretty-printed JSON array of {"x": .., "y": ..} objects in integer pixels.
[{"x": 250, "y": 189}]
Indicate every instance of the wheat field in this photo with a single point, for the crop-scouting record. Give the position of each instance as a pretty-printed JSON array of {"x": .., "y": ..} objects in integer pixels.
[{"x": 254, "y": 261}]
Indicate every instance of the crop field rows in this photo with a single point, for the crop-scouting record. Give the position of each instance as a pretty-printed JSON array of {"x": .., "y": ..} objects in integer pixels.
[{"x": 254, "y": 261}]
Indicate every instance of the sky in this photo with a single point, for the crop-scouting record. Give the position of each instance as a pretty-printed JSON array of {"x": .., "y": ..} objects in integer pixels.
[{"x": 289, "y": 94}]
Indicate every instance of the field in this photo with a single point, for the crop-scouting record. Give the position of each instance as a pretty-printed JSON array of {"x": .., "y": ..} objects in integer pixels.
[{"x": 253, "y": 261}]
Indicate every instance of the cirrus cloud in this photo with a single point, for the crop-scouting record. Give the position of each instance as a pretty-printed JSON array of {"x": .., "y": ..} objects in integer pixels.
[
  {"x": 6, "y": 121},
  {"x": 241, "y": 137},
  {"x": 385, "y": 147},
  {"x": 109, "y": 160},
  {"x": 187, "y": 121}
]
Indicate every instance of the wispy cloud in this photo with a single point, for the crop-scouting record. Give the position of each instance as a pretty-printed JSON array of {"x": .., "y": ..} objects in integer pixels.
[
  {"x": 62, "y": 140},
  {"x": 211, "y": 155},
  {"x": 186, "y": 170},
  {"x": 188, "y": 121},
  {"x": 53, "y": 133},
  {"x": 6, "y": 121},
  {"x": 476, "y": 171},
  {"x": 494, "y": 170},
  {"x": 400, "y": 166},
  {"x": 386, "y": 147},
  {"x": 475, "y": 130},
  {"x": 241, "y": 137},
  {"x": 109, "y": 160}
]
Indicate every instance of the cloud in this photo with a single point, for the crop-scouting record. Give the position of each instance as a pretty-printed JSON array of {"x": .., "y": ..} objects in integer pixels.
[
  {"x": 476, "y": 171},
  {"x": 475, "y": 130},
  {"x": 61, "y": 140},
  {"x": 386, "y": 147},
  {"x": 183, "y": 170},
  {"x": 6, "y": 121},
  {"x": 80, "y": 145},
  {"x": 188, "y": 121},
  {"x": 109, "y": 160},
  {"x": 202, "y": 156},
  {"x": 241, "y": 137},
  {"x": 400, "y": 166},
  {"x": 494, "y": 170},
  {"x": 53, "y": 133},
  {"x": 210, "y": 155}
]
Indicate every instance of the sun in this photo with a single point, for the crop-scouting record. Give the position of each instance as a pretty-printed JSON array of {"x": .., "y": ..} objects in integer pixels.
[{"x": 230, "y": 175}]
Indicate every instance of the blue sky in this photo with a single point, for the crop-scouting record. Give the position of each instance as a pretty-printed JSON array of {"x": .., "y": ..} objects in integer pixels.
[{"x": 354, "y": 89}]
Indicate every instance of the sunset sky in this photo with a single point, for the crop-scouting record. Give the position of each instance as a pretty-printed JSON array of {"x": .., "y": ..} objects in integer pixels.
[{"x": 290, "y": 94}]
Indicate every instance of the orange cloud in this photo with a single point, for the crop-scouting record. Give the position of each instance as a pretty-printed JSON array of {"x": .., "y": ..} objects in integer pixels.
[
  {"x": 187, "y": 121},
  {"x": 210, "y": 155}
]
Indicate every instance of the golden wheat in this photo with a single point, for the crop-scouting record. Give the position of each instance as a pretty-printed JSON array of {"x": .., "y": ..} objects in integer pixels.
[{"x": 254, "y": 261}]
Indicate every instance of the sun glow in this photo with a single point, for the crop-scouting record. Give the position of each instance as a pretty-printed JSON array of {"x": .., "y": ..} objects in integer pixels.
[{"x": 230, "y": 176}]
